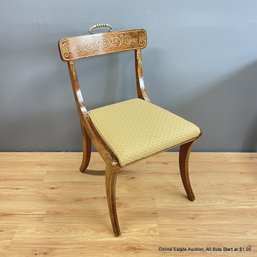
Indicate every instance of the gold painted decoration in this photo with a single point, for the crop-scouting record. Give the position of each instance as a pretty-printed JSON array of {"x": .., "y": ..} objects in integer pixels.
[{"x": 85, "y": 46}]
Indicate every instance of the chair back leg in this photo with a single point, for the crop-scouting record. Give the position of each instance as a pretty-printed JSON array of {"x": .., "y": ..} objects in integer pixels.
[
  {"x": 184, "y": 154},
  {"x": 86, "y": 143}
]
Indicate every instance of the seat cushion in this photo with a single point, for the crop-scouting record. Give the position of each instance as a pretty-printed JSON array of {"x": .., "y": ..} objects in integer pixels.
[{"x": 135, "y": 129}]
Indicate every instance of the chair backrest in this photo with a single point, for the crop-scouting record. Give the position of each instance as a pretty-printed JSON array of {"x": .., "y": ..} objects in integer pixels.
[{"x": 72, "y": 48}]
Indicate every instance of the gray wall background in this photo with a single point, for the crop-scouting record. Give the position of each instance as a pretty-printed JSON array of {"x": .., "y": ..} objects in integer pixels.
[{"x": 201, "y": 63}]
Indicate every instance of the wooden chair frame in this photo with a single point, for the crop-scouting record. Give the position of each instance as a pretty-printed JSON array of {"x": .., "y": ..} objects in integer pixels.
[{"x": 73, "y": 48}]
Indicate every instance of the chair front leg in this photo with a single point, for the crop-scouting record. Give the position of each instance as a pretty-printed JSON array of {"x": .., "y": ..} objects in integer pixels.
[
  {"x": 86, "y": 142},
  {"x": 184, "y": 154},
  {"x": 110, "y": 184}
]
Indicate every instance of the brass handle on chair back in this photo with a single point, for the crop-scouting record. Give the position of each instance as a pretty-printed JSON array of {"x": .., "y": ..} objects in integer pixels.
[{"x": 100, "y": 25}]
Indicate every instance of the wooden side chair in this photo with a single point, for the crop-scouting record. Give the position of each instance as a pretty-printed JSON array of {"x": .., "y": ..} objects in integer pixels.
[{"x": 128, "y": 131}]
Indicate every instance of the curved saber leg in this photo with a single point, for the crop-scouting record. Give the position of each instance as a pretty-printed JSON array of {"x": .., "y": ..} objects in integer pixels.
[
  {"x": 86, "y": 142},
  {"x": 110, "y": 184},
  {"x": 184, "y": 154}
]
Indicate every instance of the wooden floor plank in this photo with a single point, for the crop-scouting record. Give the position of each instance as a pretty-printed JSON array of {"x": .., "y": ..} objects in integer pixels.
[{"x": 49, "y": 208}]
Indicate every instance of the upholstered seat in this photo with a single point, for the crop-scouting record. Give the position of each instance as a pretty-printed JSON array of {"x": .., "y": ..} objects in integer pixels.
[{"x": 135, "y": 129}]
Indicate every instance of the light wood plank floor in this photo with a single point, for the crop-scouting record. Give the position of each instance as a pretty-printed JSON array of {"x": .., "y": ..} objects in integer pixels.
[{"x": 49, "y": 208}]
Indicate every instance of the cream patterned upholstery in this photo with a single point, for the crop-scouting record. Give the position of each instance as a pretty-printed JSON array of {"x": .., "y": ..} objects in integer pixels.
[{"x": 135, "y": 129}]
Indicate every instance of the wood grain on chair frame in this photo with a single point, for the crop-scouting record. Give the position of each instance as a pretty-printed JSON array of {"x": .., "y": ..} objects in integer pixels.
[{"x": 73, "y": 48}]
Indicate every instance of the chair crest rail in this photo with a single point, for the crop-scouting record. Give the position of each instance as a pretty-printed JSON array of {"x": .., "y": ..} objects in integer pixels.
[{"x": 72, "y": 48}]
